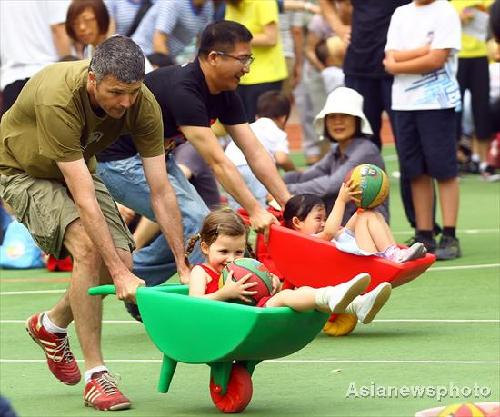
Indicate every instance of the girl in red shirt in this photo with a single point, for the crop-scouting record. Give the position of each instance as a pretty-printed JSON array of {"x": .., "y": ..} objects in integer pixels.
[{"x": 223, "y": 239}]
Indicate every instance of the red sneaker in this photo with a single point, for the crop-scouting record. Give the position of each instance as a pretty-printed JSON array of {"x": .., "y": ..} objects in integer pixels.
[
  {"x": 102, "y": 393},
  {"x": 60, "y": 360}
]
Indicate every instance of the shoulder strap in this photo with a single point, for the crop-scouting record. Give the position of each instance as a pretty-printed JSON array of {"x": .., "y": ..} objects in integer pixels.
[{"x": 146, "y": 4}]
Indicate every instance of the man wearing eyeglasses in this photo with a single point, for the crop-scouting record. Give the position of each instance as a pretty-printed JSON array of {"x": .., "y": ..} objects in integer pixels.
[{"x": 191, "y": 98}]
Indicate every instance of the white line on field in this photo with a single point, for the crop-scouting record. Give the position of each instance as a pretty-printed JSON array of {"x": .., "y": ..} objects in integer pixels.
[
  {"x": 460, "y": 231},
  {"x": 104, "y": 321},
  {"x": 32, "y": 292},
  {"x": 432, "y": 269},
  {"x": 297, "y": 361},
  {"x": 439, "y": 321},
  {"x": 461, "y": 267},
  {"x": 457, "y": 321}
]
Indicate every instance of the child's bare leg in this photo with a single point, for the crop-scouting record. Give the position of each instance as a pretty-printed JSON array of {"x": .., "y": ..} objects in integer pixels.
[
  {"x": 449, "y": 197},
  {"x": 388, "y": 233},
  {"x": 362, "y": 234},
  {"x": 372, "y": 235},
  {"x": 378, "y": 230},
  {"x": 300, "y": 299}
]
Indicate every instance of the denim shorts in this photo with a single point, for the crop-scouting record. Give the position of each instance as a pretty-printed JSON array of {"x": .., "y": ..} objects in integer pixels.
[
  {"x": 425, "y": 142},
  {"x": 127, "y": 184},
  {"x": 254, "y": 185}
]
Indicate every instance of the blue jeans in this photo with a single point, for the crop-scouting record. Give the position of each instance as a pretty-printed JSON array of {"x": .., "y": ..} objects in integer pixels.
[
  {"x": 256, "y": 188},
  {"x": 127, "y": 184}
]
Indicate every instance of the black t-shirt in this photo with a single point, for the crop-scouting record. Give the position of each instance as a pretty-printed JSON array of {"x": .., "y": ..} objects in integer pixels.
[
  {"x": 185, "y": 100},
  {"x": 370, "y": 23}
]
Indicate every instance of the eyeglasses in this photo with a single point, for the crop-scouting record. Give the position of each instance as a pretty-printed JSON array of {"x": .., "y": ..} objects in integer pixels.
[{"x": 245, "y": 60}]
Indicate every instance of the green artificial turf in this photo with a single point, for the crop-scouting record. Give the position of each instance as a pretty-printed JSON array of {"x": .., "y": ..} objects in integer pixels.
[{"x": 439, "y": 332}]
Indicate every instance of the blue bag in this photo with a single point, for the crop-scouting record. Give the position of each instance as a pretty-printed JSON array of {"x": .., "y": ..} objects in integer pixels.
[{"x": 19, "y": 250}]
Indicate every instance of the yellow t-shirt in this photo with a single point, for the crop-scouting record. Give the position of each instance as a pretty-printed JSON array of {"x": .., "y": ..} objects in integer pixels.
[
  {"x": 472, "y": 47},
  {"x": 52, "y": 121},
  {"x": 269, "y": 64}
]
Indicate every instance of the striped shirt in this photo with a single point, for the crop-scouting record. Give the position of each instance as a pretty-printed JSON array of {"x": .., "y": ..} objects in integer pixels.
[
  {"x": 179, "y": 20},
  {"x": 123, "y": 13}
]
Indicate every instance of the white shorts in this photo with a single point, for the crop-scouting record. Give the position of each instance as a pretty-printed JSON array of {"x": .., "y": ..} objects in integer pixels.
[{"x": 346, "y": 242}]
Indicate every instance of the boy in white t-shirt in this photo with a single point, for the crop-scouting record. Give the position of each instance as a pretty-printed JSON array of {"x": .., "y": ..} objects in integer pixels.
[
  {"x": 273, "y": 110},
  {"x": 331, "y": 52},
  {"x": 422, "y": 42}
]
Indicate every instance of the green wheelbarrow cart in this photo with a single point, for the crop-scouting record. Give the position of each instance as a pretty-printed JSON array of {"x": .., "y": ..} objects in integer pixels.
[{"x": 231, "y": 338}]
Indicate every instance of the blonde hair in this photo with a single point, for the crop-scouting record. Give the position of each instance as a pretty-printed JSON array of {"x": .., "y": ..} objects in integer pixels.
[
  {"x": 336, "y": 49},
  {"x": 223, "y": 221}
]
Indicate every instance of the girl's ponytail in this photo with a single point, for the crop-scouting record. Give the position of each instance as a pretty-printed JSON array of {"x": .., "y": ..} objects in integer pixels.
[{"x": 191, "y": 243}]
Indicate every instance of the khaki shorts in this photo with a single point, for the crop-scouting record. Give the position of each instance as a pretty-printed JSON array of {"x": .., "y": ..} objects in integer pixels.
[{"x": 46, "y": 208}]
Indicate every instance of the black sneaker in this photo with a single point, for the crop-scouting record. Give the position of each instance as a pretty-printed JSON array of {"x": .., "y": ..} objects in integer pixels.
[
  {"x": 449, "y": 248},
  {"x": 430, "y": 244},
  {"x": 473, "y": 167}
]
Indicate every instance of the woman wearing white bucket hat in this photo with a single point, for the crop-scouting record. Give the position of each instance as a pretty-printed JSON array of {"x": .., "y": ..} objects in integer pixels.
[{"x": 343, "y": 122}]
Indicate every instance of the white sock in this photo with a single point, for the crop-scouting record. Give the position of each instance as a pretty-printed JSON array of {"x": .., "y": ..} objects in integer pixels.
[
  {"x": 320, "y": 297},
  {"x": 50, "y": 326},
  {"x": 90, "y": 372},
  {"x": 351, "y": 308}
]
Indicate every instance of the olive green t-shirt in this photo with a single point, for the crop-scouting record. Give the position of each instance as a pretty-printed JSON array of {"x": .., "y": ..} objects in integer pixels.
[{"x": 52, "y": 121}]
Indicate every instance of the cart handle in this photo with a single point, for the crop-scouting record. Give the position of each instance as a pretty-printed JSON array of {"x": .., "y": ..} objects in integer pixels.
[{"x": 102, "y": 290}]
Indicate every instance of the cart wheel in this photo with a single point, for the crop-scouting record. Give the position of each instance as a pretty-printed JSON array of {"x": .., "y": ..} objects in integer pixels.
[{"x": 238, "y": 393}]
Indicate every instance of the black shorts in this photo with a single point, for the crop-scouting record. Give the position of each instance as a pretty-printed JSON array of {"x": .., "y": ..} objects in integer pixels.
[
  {"x": 425, "y": 142},
  {"x": 473, "y": 75}
]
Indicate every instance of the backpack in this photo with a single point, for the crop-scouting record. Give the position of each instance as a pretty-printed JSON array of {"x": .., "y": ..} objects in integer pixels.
[{"x": 19, "y": 250}]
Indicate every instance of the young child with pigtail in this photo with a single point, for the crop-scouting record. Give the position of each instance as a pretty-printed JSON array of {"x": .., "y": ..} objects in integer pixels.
[{"x": 223, "y": 239}]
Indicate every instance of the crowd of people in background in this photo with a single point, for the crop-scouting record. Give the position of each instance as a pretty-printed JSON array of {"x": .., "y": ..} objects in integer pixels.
[
  {"x": 311, "y": 48},
  {"x": 171, "y": 108}
]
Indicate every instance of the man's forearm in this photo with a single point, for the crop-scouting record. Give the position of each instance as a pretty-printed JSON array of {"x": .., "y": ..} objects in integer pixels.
[{"x": 329, "y": 13}]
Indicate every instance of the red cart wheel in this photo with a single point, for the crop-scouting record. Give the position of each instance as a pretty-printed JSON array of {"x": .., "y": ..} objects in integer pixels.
[{"x": 238, "y": 394}]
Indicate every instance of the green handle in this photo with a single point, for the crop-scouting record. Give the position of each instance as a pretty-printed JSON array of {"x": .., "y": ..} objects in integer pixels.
[{"x": 102, "y": 290}]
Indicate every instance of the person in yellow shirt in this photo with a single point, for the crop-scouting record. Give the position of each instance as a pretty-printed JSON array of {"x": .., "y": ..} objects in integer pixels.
[
  {"x": 269, "y": 68},
  {"x": 473, "y": 75}
]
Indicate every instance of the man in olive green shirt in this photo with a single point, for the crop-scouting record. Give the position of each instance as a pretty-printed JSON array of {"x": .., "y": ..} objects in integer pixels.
[{"x": 65, "y": 115}]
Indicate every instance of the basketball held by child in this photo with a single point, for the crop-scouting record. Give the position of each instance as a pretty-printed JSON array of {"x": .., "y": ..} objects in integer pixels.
[
  {"x": 260, "y": 275},
  {"x": 373, "y": 184}
]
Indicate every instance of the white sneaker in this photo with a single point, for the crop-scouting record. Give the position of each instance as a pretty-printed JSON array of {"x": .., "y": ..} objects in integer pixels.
[
  {"x": 368, "y": 305},
  {"x": 415, "y": 251},
  {"x": 340, "y": 296}
]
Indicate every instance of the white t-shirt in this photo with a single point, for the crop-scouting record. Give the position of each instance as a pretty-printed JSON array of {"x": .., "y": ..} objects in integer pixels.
[
  {"x": 333, "y": 77},
  {"x": 413, "y": 26},
  {"x": 269, "y": 134},
  {"x": 26, "y": 43}
]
